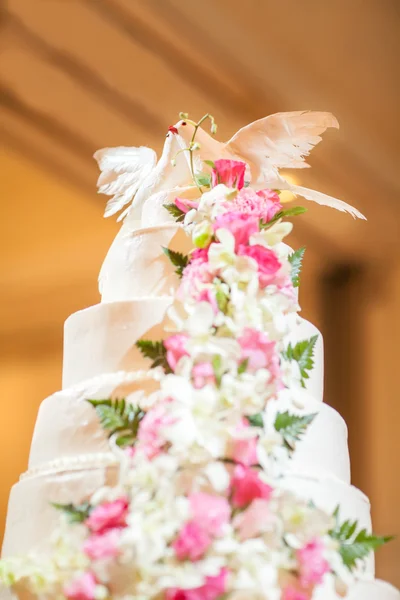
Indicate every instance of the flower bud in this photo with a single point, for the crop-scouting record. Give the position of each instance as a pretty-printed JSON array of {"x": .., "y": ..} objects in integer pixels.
[{"x": 202, "y": 234}]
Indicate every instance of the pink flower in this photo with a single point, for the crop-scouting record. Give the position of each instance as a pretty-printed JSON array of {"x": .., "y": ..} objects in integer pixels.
[
  {"x": 82, "y": 588},
  {"x": 200, "y": 254},
  {"x": 176, "y": 348},
  {"x": 192, "y": 542},
  {"x": 229, "y": 172},
  {"x": 185, "y": 205},
  {"x": 266, "y": 259},
  {"x": 149, "y": 433},
  {"x": 257, "y": 349},
  {"x": 208, "y": 295},
  {"x": 313, "y": 565},
  {"x": 108, "y": 515},
  {"x": 290, "y": 593},
  {"x": 263, "y": 204},
  {"x": 241, "y": 226},
  {"x": 247, "y": 486},
  {"x": 102, "y": 545},
  {"x": 203, "y": 374},
  {"x": 209, "y": 511},
  {"x": 244, "y": 449},
  {"x": 195, "y": 275},
  {"x": 212, "y": 589},
  {"x": 254, "y": 520}
]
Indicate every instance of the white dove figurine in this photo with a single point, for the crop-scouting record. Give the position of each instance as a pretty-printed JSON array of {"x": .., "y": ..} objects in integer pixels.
[
  {"x": 278, "y": 141},
  {"x": 132, "y": 175}
]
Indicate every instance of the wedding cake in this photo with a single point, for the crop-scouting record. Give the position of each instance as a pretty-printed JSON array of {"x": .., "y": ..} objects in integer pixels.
[{"x": 189, "y": 454}]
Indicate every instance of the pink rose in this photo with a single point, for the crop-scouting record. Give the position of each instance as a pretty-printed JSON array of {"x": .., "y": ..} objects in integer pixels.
[
  {"x": 209, "y": 511},
  {"x": 108, "y": 515},
  {"x": 266, "y": 259},
  {"x": 244, "y": 449},
  {"x": 212, "y": 589},
  {"x": 192, "y": 542},
  {"x": 241, "y": 226},
  {"x": 229, "y": 172},
  {"x": 149, "y": 432},
  {"x": 263, "y": 204},
  {"x": 290, "y": 593},
  {"x": 203, "y": 374},
  {"x": 254, "y": 520},
  {"x": 102, "y": 545},
  {"x": 82, "y": 588},
  {"x": 176, "y": 348},
  {"x": 247, "y": 486},
  {"x": 313, "y": 565},
  {"x": 257, "y": 349}
]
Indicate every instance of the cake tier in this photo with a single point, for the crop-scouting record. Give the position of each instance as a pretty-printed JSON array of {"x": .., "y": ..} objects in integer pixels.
[
  {"x": 74, "y": 480},
  {"x": 31, "y": 518},
  {"x": 136, "y": 265},
  {"x": 68, "y": 426},
  {"x": 101, "y": 339}
]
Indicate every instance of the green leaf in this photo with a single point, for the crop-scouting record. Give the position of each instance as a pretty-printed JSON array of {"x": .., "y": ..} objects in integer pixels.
[
  {"x": 176, "y": 212},
  {"x": 296, "y": 260},
  {"x": 303, "y": 353},
  {"x": 76, "y": 513},
  {"x": 221, "y": 295},
  {"x": 292, "y": 427},
  {"x": 243, "y": 366},
  {"x": 256, "y": 420},
  {"x": 354, "y": 544},
  {"x": 155, "y": 351},
  {"x": 119, "y": 417},
  {"x": 217, "y": 367},
  {"x": 210, "y": 163},
  {"x": 288, "y": 212},
  {"x": 179, "y": 260},
  {"x": 203, "y": 179}
]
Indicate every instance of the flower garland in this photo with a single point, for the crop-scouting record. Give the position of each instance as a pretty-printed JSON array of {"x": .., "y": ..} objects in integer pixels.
[{"x": 199, "y": 511}]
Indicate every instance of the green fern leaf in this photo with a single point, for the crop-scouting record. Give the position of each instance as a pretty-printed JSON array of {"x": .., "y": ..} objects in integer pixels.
[
  {"x": 176, "y": 212},
  {"x": 179, "y": 260},
  {"x": 303, "y": 353},
  {"x": 296, "y": 260},
  {"x": 292, "y": 427}
]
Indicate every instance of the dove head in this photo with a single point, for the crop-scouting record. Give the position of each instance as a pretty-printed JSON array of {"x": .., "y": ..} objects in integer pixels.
[{"x": 186, "y": 133}]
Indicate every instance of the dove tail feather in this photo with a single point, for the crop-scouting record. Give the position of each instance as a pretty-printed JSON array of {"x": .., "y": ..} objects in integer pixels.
[{"x": 325, "y": 200}]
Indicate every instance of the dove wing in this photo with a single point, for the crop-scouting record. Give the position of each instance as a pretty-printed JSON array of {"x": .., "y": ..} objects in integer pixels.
[
  {"x": 281, "y": 140},
  {"x": 123, "y": 170}
]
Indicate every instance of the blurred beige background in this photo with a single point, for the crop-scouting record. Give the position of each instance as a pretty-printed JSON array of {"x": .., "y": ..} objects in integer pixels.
[{"x": 77, "y": 75}]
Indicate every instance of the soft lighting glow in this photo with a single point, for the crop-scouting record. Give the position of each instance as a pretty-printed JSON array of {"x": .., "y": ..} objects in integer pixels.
[{"x": 285, "y": 195}]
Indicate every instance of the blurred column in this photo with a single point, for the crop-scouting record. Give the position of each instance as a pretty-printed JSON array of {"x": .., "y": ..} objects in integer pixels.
[{"x": 361, "y": 328}]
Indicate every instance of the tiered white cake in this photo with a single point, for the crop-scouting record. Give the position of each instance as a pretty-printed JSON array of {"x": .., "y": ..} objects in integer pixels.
[{"x": 70, "y": 457}]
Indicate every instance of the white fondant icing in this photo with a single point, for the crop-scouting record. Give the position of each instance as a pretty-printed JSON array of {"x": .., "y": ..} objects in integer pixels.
[
  {"x": 101, "y": 338},
  {"x": 31, "y": 518},
  {"x": 327, "y": 433},
  {"x": 139, "y": 267},
  {"x": 68, "y": 426}
]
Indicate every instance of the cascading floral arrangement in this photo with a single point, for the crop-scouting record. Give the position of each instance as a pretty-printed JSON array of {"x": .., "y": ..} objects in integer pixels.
[{"x": 200, "y": 510}]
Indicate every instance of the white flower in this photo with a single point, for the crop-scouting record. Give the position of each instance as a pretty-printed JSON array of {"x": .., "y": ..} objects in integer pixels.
[
  {"x": 272, "y": 235},
  {"x": 218, "y": 476}
]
